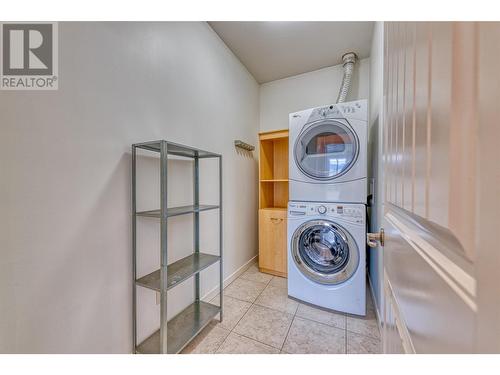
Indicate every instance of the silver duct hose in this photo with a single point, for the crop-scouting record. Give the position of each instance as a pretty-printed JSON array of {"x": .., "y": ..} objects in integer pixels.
[{"x": 349, "y": 60}]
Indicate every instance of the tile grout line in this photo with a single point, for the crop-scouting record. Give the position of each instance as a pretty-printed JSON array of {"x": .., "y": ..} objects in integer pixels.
[
  {"x": 232, "y": 329},
  {"x": 287, "y": 332},
  {"x": 255, "y": 304},
  {"x": 345, "y": 335},
  {"x": 345, "y": 316},
  {"x": 223, "y": 341},
  {"x": 257, "y": 341},
  {"x": 251, "y": 281},
  {"x": 246, "y": 312},
  {"x": 274, "y": 309},
  {"x": 324, "y": 324}
]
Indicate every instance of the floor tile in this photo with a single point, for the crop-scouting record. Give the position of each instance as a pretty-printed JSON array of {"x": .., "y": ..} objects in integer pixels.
[
  {"x": 259, "y": 318},
  {"x": 277, "y": 298},
  {"x": 208, "y": 340},
  {"x": 265, "y": 325},
  {"x": 253, "y": 274},
  {"x": 236, "y": 344},
  {"x": 281, "y": 282},
  {"x": 359, "y": 344},
  {"x": 322, "y": 316},
  {"x": 244, "y": 290},
  {"x": 233, "y": 311},
  {"x": 308, "y": 337},
  {"x": 367, "y": 325}
]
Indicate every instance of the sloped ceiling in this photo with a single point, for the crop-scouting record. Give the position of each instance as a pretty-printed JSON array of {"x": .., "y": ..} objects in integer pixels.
[{"x": 273, "y": 50}]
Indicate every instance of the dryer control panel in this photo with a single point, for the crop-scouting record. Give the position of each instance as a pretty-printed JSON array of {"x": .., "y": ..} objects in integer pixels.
[
  {"x": 347, "y": 110},
  {"x": 345, "y": 211}
]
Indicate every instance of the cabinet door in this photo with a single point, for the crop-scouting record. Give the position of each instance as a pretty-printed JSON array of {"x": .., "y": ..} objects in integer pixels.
[{"x": 272, "y": 241}]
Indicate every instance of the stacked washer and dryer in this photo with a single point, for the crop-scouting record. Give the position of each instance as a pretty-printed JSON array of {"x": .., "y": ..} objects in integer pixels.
[{"x": 326, "y": 211}]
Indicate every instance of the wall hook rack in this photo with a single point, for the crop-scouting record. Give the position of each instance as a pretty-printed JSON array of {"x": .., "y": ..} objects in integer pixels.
[{"x": 243, "y": 145}]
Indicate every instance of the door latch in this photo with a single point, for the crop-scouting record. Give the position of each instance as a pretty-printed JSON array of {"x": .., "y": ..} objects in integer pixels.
[{"x": 373, "y": 238}]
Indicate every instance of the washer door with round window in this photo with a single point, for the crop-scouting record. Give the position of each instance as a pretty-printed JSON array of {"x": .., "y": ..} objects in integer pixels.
[
  {"x": 325, "y": 252},
  {"x": 326, "y": 149}
]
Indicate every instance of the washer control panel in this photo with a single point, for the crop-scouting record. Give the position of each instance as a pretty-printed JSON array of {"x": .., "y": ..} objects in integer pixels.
[{"x": 345, "y": 211}]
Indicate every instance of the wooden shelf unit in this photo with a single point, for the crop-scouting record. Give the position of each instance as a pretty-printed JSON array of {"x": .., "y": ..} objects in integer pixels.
[{"x": 273, "y": 201}]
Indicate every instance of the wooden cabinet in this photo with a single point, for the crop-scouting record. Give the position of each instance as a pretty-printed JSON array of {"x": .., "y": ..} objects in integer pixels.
[
  {"x": 273, "y": 201},
  {"x": 272, "y": 241}
]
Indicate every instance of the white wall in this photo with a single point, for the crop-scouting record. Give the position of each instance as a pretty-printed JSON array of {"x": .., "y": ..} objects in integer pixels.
[
  {"x": 375, "y": 150},
  {"x": 313, "y": 89},
  {"x": 65, "y": 264}
]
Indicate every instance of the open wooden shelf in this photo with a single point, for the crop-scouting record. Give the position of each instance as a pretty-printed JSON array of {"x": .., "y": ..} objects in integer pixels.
[
  {"x": 273, "y": 171},
  {"x": 273, "y": 194},
  {"x": 274, "y": 159},
  {"x": 273, "y": 201}
]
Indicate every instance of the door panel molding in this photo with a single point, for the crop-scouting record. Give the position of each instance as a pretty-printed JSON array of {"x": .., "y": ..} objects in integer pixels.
[
  {"x": 397, "y": 339},
  {"x": 432, "y": 301},
  {"x": 458, "y": 278}
]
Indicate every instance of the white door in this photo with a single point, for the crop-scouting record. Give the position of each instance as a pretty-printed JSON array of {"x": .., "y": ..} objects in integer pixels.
[{"x": 440, "y": 128}]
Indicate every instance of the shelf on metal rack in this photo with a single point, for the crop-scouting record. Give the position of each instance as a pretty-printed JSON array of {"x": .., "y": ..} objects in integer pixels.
[
  {"x": 176, "y": 149},
  {"x": 176, "y": 211},
  {"x": 179, "y": 271},
  {"x": 181, "y": 329}
]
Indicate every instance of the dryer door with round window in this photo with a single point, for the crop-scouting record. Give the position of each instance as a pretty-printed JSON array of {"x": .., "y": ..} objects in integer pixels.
[
  {"x": 325, "y": 252},
  {"x": 326, "y": 149}
]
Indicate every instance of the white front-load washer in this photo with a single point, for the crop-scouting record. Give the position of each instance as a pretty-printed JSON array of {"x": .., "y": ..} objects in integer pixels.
[
  {"x": 326, "y": 255},
  {"x": 328, "y": 153}
]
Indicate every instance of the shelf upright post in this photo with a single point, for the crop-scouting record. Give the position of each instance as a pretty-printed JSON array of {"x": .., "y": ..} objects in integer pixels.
[
  {"x": 134, "y": 252},
  {"x": 163, "y": 246},
  {"x": 196, "y": 219},
  {"x": 221, "y": 241}
]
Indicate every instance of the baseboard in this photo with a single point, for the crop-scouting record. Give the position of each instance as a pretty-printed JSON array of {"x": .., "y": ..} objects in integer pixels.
[
  {"x": 375, "y": 303},
  {"x": 228, "y": 280}
]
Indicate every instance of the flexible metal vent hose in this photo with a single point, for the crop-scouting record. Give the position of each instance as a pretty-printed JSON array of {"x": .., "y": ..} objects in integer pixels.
[{"x": 349, "y": 60}]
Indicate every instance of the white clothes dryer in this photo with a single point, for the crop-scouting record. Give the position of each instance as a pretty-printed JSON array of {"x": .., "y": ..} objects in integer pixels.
[{"x": 328, "y": 153}]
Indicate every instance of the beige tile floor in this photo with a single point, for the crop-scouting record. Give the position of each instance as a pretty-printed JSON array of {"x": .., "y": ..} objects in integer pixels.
[{"x": 259, "y": 318}]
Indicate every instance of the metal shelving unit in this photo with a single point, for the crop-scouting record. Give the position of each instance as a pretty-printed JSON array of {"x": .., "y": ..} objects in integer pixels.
[{"x": 176, "y": 333}]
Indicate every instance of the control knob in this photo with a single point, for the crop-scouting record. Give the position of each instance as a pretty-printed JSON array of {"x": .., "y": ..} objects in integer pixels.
[{"x": 322, "y": 210}]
